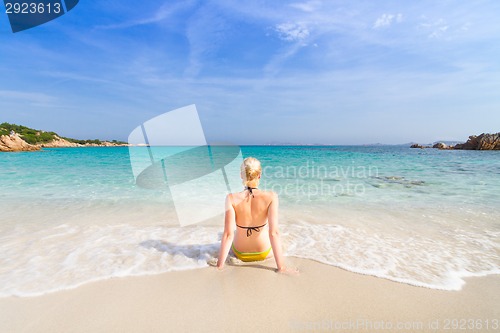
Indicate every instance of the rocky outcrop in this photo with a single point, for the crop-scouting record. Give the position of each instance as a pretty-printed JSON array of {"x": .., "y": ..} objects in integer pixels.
[
  {"x": 63, "y": 143},
  {"x": 441, "y": 145},
  {"x": 58, "y": 143},
  {"x": 416, "y": 145},
  {"x": 107, "y": 144},
  {"x": 14, "y": 142},
  {"x": 484, "y": 141}
]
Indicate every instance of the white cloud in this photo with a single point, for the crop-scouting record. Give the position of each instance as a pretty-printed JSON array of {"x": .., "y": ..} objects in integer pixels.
[
  {"x": 206, "y": 31},
  {"x": 163, "y": 13},
  {"x": 292, "y": 32},
  {"x": 34, "y": 98},
  {"x": 465, "y": 27},
  {"x": 309, "y": 6},
  {"x": 277, "y": 61},
  {"x": 438, "y": 32},
  {"x": 435, "y": 28},
  {"x": 387, "y": 19}
]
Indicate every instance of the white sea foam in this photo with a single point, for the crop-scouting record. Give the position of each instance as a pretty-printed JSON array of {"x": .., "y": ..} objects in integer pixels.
[
  {"x": 66, "y": 256},
  {"x": 416, "y": 260}
]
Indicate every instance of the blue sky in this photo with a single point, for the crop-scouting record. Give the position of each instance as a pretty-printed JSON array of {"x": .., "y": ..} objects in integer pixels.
[{"x": 332, "y": 72}]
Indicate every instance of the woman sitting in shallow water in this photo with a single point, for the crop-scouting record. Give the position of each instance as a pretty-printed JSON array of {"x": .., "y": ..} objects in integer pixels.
[{"x": 255, "y": 214}]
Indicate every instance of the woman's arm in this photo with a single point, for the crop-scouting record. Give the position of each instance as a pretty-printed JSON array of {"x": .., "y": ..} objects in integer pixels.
[
  {"x": 274, "y": 237},
  {"x": 228, "y": 235}
]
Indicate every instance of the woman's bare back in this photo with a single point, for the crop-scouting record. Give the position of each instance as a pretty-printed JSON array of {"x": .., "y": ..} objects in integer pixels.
[{"x": 251, "y": 211}]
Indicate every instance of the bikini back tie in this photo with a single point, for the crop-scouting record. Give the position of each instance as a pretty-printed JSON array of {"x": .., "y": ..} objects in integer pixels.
[
  {"x": 250, "y": 229},
  {"x": 250, "y": 189}
]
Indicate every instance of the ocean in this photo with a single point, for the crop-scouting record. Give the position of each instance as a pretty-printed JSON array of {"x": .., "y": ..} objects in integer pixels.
[{"x": 423, "y": 217}]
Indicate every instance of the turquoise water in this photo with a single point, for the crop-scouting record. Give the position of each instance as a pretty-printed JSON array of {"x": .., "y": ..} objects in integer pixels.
[{"x": 423, "y": 217}]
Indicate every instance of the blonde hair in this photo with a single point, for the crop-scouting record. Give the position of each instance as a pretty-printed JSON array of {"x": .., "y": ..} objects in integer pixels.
[{"x": 250, "y": 171}]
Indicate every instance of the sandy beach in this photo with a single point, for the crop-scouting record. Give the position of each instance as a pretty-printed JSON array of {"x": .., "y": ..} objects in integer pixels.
[{"x": 253, "y": 298}]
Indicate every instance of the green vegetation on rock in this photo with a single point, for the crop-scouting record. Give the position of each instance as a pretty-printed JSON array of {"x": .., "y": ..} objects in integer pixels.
[
  {"x": 82, "y": 142},
  {"x": 33, "y": 136},
  {"x": 30, "y": 135}
]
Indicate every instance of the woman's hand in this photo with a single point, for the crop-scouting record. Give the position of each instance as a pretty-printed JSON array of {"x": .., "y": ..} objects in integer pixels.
[
  {"x": 214, "y": 262},
  {"x": 288, "y": 271}
]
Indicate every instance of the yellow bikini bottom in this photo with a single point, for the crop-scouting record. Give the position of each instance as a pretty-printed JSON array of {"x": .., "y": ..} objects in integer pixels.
[{"x": 251, "y": 256}]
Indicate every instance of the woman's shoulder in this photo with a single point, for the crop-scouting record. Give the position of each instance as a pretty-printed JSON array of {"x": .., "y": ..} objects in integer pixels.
[
  {"x": 235, "y": 194},
  {"x": 270, "y": 194}
]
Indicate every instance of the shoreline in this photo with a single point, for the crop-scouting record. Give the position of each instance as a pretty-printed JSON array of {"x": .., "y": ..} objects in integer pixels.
[{"x": 252, "y": 298}]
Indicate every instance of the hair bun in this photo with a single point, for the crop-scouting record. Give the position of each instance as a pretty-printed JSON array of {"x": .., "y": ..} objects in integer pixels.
[{"x": 250, "y": 171}]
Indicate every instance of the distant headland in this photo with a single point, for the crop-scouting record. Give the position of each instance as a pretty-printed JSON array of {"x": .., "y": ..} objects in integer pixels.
[
  {"x": 21, "y": 138},
  {"x": 484, "y": 141}
]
